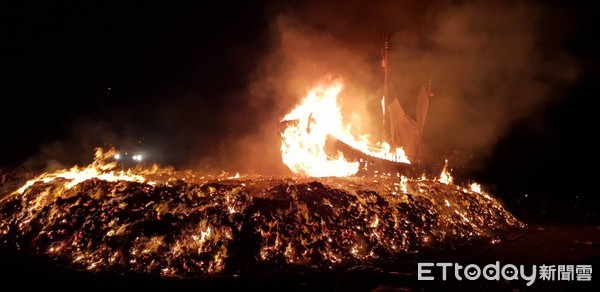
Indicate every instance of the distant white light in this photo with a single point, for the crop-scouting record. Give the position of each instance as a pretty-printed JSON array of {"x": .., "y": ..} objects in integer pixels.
[
  {"x": 137, "y": 157},
  {"x": 117, "y": 156}
]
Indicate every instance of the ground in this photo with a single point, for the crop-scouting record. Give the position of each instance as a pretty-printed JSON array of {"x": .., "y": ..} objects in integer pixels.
[{"x": 538, "y": 244}]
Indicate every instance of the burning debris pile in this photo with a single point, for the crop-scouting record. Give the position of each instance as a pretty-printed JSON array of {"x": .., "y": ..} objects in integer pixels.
[{"x": 176, "y": 224}]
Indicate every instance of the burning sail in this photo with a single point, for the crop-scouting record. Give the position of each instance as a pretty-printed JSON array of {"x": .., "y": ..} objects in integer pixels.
[{"x": 403, "y": 129}]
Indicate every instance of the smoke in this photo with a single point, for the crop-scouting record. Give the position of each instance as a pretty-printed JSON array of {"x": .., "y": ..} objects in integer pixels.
[
  {"x": 491, "y": 64},
  {"x": 78, "y": 147}
]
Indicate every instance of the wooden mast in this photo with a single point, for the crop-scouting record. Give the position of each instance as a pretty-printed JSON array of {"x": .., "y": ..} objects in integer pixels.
[{"x": 386, "y": 137}]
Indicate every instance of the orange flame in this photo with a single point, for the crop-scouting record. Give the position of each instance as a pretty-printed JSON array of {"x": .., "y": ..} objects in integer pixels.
[
  {"x": 445, "y": 176},
  {"x": 348, "y": 225},
  {"x": 316, "y": 117},
  {"x": 103, "y": 168}
]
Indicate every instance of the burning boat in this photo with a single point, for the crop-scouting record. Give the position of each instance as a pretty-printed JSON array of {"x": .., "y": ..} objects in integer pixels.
[
  {"x": 158, "y": 221},
  {"x": 316, "y": 142}
]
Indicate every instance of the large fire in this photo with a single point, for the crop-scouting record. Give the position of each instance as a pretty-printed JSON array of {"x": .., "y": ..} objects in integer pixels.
[
  {"x": 317, "y": 117},
  {"x": 171, "y": 223},
  {"x": 177, "y": 223}
]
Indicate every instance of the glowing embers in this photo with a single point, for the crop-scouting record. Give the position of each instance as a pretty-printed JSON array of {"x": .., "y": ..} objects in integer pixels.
[
  {"x": 221, "y": 226},
  {"x": 167, "y": 230}
]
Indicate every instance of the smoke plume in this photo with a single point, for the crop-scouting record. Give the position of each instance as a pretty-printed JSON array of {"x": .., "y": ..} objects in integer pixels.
[
  {"x": 216, "y": 106},
  {"x": 491, "y": 64}
]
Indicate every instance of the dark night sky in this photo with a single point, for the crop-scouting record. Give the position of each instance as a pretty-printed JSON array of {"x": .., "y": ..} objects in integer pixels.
[
  {"x": 58, "y": 63},
  {"x": 173, "y": 72}
]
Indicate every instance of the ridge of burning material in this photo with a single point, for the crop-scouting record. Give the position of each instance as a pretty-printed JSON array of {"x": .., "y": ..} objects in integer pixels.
[{"x": 219, "y": 225}]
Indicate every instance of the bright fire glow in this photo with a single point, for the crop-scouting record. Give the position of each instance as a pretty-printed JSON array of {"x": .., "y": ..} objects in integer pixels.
[
  {"x": 445, "y": 176},
  {"x": 476, "y": 188},
  {"x": 317, "y": 116},
  {"x": 383, "y": 108},
  {"x": 102, "y": 168},
  {"x": 101, "y": 218}
]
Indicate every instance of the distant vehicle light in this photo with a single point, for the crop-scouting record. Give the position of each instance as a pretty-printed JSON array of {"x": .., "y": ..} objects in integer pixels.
[{"x": 117, "y": 156}]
